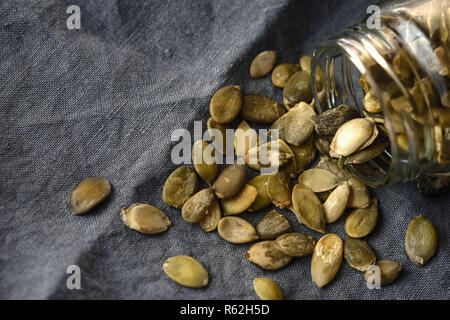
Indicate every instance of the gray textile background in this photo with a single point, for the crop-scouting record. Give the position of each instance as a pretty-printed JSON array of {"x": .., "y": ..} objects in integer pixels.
[{"x": 103, "y": 101}]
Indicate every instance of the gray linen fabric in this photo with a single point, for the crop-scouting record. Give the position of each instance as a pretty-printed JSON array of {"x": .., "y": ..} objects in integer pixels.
[{"x": 103, "y": 101}]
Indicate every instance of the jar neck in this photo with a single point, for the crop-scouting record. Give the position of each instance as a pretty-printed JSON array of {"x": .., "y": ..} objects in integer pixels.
[{"x": 358, "y": 51}]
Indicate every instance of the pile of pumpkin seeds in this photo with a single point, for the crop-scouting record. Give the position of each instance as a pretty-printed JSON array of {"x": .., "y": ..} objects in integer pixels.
[{"x": 317, "y": 196}]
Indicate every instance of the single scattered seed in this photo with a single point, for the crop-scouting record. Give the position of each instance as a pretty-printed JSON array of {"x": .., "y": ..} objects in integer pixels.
[
  {"x": 263, "y": 63},
  {"x": 351, "y": 136},
  {"x": 180, "y": 186},
  {"x": 245, "y": 138},
  {"x": 421, "y": 240},
  {"x": 305, "y": 63},
  {"x": 359, "y": 194},
  {"x": 282, "y": 73},
  {"x": 279, "y": 189},
  {"x": 211, "y": 220},
  {"x": 295, "y": 127},
  {"x": 261, "y": 109},
  {"x": 295, "y": 244},
  {"x": 326, "y": 259},
  {"x": 197, "y": 206},
  {"x": 262, "y": 199},
  {"x": 272, "y": 225},
  {"x": 327, "y": 123},
  {"x": 361, "y": 222},
  {"x": 265, "y": 255},
  {"x": 226, "y": 104},
  {"x": 335, "y": 167},
  {"x": 236, "y": 230},
  {"x": 145, "y": 218},
  {"x": 336, "y": 202},
  {"x": 367, "y": 154},
  {"x": 371, "y": 103},
  {"x": 186, "y": 271},
  {"x": 388, "y": 272},
  {"x": 88, "y": 194},
  {"x": 304, "y": 154},
  {"x": 308, "y": 208},
  {"x": 297, "y": 89},
  {"x": 322, "y": 144},
  {"x": 318, "y": 180},
  {"x": 230, "y": 181},
  {"x": 240, "y": 202},
  {"x": 359, "y": 254},
  {"x": 267, "y": 289},
  {"x": 204, "y": 160},
  {"x": 218, "y": 135}
]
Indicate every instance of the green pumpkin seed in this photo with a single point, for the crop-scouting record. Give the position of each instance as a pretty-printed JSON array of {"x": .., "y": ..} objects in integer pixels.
[
  {"x": 335, "y": 167},
  {"x": 230, "y": 181},
  {"x": 282, "y": 73},
  {"x": 361, "y": 222},
  {"x": 297, "y": 89},
  {"x": 318, "y": 180},
  {"x": 267, "y": 155},
  {"x": 240, "y": 202},
  {"x": 145, "y": 218},
  {"x": 367, "y": 154},
  {"x": 236, "y": 230},
  {"x": 204, "y": 160},
  {"x": 351, "y": 136},
  {"x": 327, "y": 123},
  {"x": 265, "y": 255},
  {"x": 245, "y": 138},
  {"x": 308, "y": 208},
  {"x": 88, "y": 194},
  {"x": 226, "y": 104},
  {"x": 336, "y": 203},
  {"x": 371, "y": 103},
  {"x": 295, "y": 244},
  {"x": 218, "y": 135},
  {"x": 279, "y": 189},
  {"x": 326, "y": 259},
  {"x": 267, "y": 289},
  {"x": 197, "y": 206},
  {"x": 359, "y": 254},
  {"x": 295, "y": 127},
  {"x": 272, "y": 225},
  {"x": 180, "y": 186},
  {"x": 262, "y": 199},
  {"x": 211, "y": 220},
  {"x": 359, "y": 194},
  {"x": 291, "y": 166},
  {"x": 421, "y": 240},
  {"x": 305, "y": 63},
  {"x": 389, "y": 271},
  {"x": 261, "y": 109},
  {"x": 304, "y": 154},
  {"x": 186, "y": 271},
  {"x": 263, "y": 63}
]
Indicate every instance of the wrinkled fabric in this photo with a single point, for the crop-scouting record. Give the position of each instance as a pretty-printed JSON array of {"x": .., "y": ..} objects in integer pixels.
[{"x": 104, "y": 100}]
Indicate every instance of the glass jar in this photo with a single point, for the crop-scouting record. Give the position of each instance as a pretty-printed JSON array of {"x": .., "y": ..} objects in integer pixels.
[{"x": 397, "y": 74}]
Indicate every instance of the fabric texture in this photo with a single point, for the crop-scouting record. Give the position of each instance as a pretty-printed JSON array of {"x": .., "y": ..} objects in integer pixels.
[{"x": 104, "y": 100}]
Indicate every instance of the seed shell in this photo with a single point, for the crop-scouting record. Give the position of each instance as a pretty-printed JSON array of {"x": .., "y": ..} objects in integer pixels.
[
  {"x": 211, "y": 220},
  {"x": 263, "y": 63},
  {"x": 145, "y": 218},
  {"x": 359, "y": 254},
  {"x": 88, "y": 194},
  {"x": 336, "y": 202},
  {"x": 265, "y": 255},
  {"x": 297, "y": 89},
  {"x": 308, "y": 208},
  {"x": 267, "y": 289},
  {"x": 295, "y": 244},
  {"x": 262, "y": 199},
  {"x": 367, "y": 154},
  {"x": 359, "y": 194},
  {"x": 327, "y": 123},
  {"x": 230, "y": 181},
  {"x": 180, "y": 186},
  {"x": 326, "y": 259},
  {"x": 351, "y": 136},
  {"x": 279, "y": 189},
  {"x": 318, "y": 180},
  {"x": 240, "y": 202},
  {"x": 197, "y": 206},
  {"x": 272, "y": 225},
  {"x": 361, "y": 222},
  {"x": 186, "y": 271},
  {"x": 236, "y": 230},
  {"x": 204, "y": 160},
  {"x": 421, "y": 240},
  {"x": 261, "y": 109},
  {"x": 226, "y": 104},
  {"x": 282, "y": 73}
]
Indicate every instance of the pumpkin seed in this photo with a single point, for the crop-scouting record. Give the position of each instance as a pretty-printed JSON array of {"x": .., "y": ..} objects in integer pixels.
[
  {"x": 186, "y": 271},
  {"x": 305, "y": 63},
  {"x": 197, "y": 206},
  {"x": 236, "y": 230},
  {"x": 335, "y": 167},
  {"x": 282, "y": 73},
  {"x": 304, "y": 154},
  {"x": 326, "y": 259},
  {"x": 88, "y": 194},
  {"x": 371, "y": 139},
  {"x": 367, "y": 154},
  {"x": 371, "y": 103},
  {"x": 272, "y": 225},
  {"x": 226, "y": 104},
  {"x": 261, "y": 109},
  {"x": 240, "y": 202},
  {"x": 218, "y": 134},
  {"x": 336, "y": 203},
  {"x": 265, "y": 255},
  {"x": 359, "y": 194},
  {"x": 308, "y": 208},
  {"x": 245, "y": 138},
  {"x": 318, "y": 180},
  {"x": 211, "y": 220},
  {"x": 291, "y": 166},
  {"x": 421, "y": 240},
  {"x": 230, "y": 181},
  {"x": 279, "y": 189},
  {"x": 322, "y": 144},
  {"x": 262, "y": 199},
  {"x": 145, "y": 218},
  {"x": 204, "y": 160},
  {"x": 267, "y": 155},
  {"x": 179, "y": 186},
  {"x": 267, "y": 289},
  {"x": 297, "y": 89},
  {"x": 351, "y": 136},
  {"x": 263, "y": 63},
  {"x": 295, "y": 244},
  {"x": 361, "y": 222},
  {"x": 327, "y": 123},
  {"x": 295, "y": 127},
  {"x": 359, "y": 254},
  {"x": 389, "y": 271}
]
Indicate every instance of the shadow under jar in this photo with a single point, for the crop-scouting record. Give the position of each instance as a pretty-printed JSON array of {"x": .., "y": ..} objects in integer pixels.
[{"x": 403, "y": 63}]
